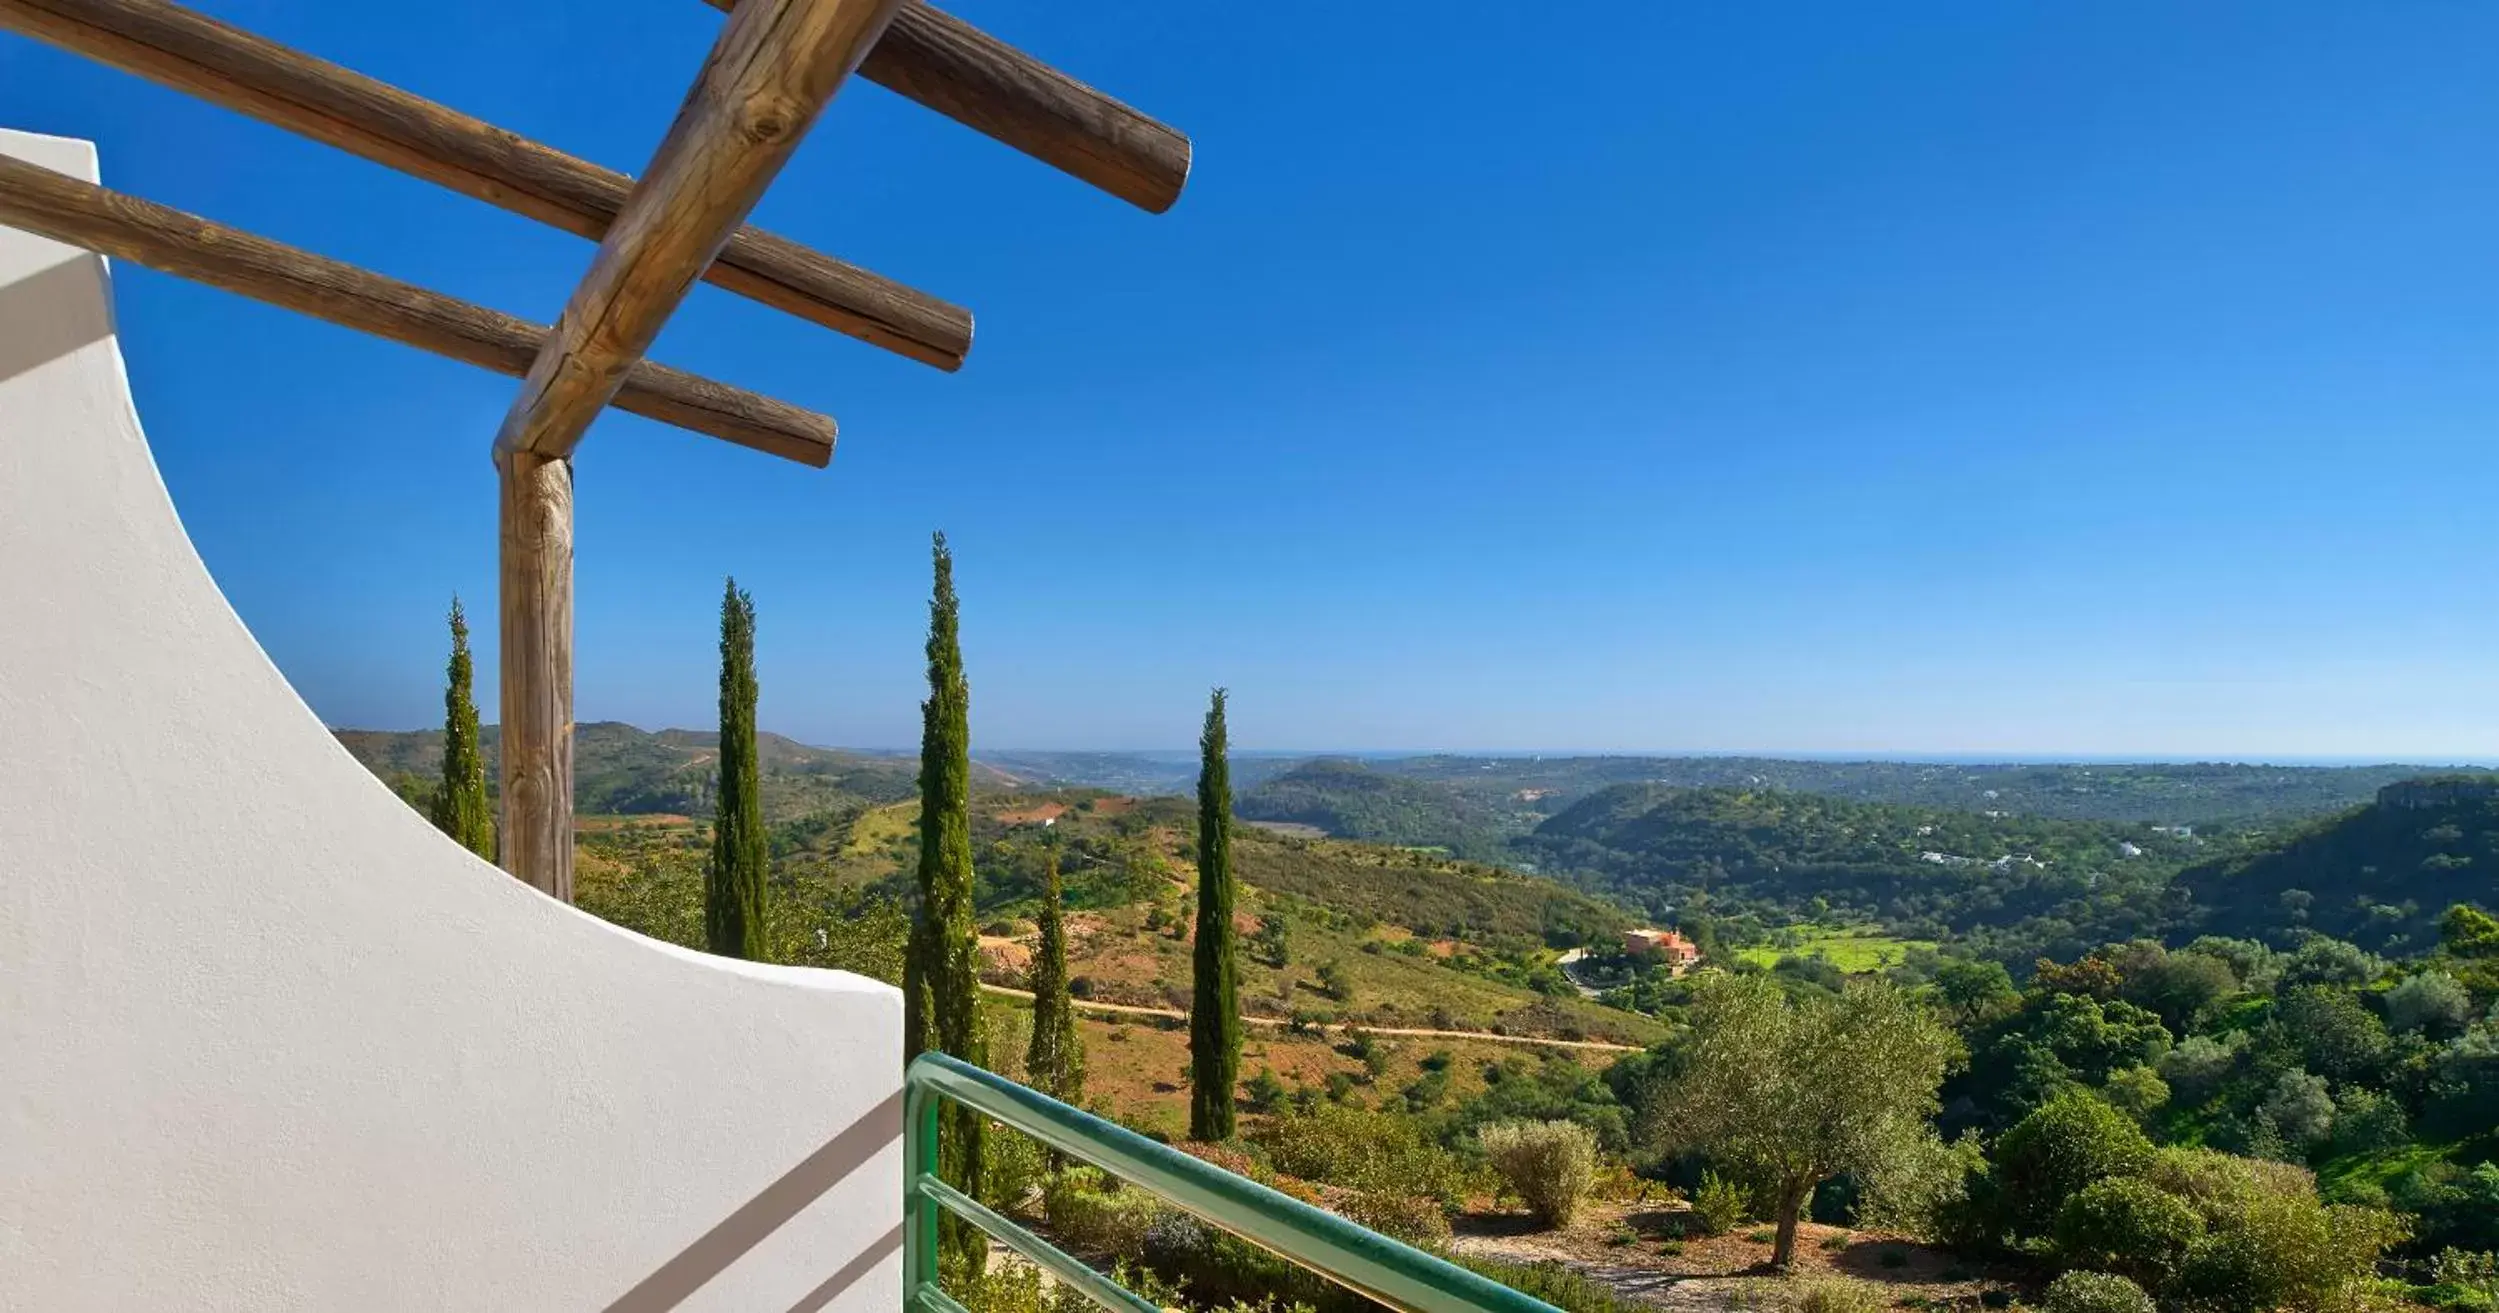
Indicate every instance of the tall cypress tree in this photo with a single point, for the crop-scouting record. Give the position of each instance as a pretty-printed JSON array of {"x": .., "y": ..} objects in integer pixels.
[
  {"x": 1215, "y": 1006},
  {"x": 460, "y": 803},
  {"x": 1055, "y": 1060},
  {"x": 733, "y": 890},
  {"x": 941, "y": 975}
]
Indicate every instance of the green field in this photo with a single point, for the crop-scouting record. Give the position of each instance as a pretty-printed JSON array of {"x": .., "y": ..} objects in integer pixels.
[{"x": 1850, "y": 948}]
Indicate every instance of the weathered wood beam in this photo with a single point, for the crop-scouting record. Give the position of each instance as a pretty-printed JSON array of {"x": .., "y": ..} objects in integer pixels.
[
  {"x": 768, "y": 76},
  {"x": 169, "y": 241},
  {"x": 776, "y": 64},
  {"x": 227, "y": 66},
  {"x": 991, "y": 87}
]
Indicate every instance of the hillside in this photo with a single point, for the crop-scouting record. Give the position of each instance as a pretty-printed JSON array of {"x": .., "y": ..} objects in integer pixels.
[
  {"x": 1349, "y": 800},
  {"x": 621, "y": 770},
  {"x": 2019, "y": 885},
  {"x": 2378, "y": 875},
  {"x": 2199, "y": 794},
  {"x": 1376, "y": 936}
]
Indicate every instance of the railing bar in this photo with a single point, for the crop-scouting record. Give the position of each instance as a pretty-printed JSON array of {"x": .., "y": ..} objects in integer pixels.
[
  {"x": 1363, "y": 1261},
  {"x": 937, "y": 1301},
  {"x": 1063, "y": 1265}
]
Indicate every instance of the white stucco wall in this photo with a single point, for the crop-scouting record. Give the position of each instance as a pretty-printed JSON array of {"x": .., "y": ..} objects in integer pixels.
[{"x": 268, "y": 1041}]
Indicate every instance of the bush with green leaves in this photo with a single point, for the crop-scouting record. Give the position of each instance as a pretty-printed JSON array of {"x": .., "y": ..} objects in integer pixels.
[
  {"x": 2287, "y": 1252},
  {"x": 1084, "y": 1215},
  {"x": 1562, "y": 1287},
  {"x": 1833, "y": 1295},
  {"x": 1720, "y": 1205},
  {"x": 2321, "y": 960},
  {"x": 2138, "y": 1092},
  {"x": 2367, "y": 1121},
  {"x": 1548, "y": 1165},
  {"x": 1413, "y": 1219},
  {"x": 2269, "y": 1242},
  {"x": 1363, "y": 1150},
  {"x": 2051, "y": 1155},
  {"x": 2432, "y": 1003},
  {"x": 2129, "y": 1226},
  {"x": 2200, "y": 1064},
  {"x": 1262, "y": 1091},
  {"x": 2299, "y": 1109},
  {"x": 2094, "y": 1292}
]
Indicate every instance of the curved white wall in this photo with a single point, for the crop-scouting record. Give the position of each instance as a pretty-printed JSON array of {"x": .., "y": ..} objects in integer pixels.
[{"x": 268, "y": 1041}]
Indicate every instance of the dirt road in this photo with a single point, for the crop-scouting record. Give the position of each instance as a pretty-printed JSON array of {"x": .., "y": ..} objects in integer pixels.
[{"x": 1174, "y": 1014}]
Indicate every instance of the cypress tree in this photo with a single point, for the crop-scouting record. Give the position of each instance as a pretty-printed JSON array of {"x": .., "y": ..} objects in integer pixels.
[
  {"x": 460, "y": 803},
  {"x": 941, "y": 980},
  {"x": 1215, "y": 1006},
  {"x": 733, "y": 890},
  {"x": 1055, "y": 1060}
]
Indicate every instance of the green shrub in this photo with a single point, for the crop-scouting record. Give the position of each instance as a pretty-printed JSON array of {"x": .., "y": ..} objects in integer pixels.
[
  {"x": 1085, "y": 1217},
  {"x": 2049, "y": 1156},
  {"x": 1016, "y": 1166},
  {"x": 2128, "y": 1226},
  {"x": 1834, "y": 1295},
  {"x": 1836, "y": 1241},
  {"x": 1720, "y": 1205},
  {"x": 1549, "y": 1165},
  {"x": 1360, "y": 1149},
  {"x": 2094, "y": 1292},
  {"x": 1418, "y": 1220},
  {"x": 1263, "y": 1092},
  {"x": 1553, "y": 1283},
  {"x": 2272, "y": 1249},
  {"x": 1761, "y": 1235},
  {"x": 2138, "y": 1092}
]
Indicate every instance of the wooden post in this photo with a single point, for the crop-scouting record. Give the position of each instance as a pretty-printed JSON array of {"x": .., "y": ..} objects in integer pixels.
[
  {"x": 768, "y": 76},
  {"x": 537, "y": 537}
]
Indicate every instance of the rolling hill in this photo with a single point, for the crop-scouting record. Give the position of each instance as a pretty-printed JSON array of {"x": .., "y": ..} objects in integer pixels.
[
  {"x": 1349, "y": 800},
  {"x": 2378, "y": 875},
  {"x": 2022, "y": 885},
  {"x": 621, "y": 770}
]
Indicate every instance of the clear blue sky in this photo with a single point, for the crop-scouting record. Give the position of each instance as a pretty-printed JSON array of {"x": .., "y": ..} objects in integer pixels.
[{"x": 2079, "y": 378}]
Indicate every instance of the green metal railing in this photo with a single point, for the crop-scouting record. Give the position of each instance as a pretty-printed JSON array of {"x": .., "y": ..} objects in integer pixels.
[{"x": 1362, "y": 1260}]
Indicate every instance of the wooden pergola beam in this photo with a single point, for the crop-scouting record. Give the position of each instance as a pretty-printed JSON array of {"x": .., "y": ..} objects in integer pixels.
[
  {"x": 774, "y": 67},
  {"x": 170, "y": 241},
  {"x": 993, "y": 88},
  {"x": 227, "y": 66}
]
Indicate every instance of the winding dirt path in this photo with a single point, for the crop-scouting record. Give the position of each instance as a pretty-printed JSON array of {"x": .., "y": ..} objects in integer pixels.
[{"x": 1174, "y": 1014}]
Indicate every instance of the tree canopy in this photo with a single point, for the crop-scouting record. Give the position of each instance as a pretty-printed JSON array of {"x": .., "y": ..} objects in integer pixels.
[{"x": 1788, "y": 1092}]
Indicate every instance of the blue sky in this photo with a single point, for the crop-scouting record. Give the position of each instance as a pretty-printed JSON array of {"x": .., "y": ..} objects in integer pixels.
[{"x": 2098, "y": 379}]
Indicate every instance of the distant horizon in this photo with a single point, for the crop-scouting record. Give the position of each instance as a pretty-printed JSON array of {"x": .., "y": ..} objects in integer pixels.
[
  {"x": 1661, "y": 754},
  {"x": 1912, "y": 382}
]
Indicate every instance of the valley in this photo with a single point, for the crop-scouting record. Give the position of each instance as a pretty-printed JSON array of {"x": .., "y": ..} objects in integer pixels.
[{"x": 2291, "y": 993}]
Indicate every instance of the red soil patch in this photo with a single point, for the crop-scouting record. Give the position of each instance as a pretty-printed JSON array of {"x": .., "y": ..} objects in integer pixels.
[
  {"x": 1005, "y": 957},
  {"x": 1033, "y": 815}
]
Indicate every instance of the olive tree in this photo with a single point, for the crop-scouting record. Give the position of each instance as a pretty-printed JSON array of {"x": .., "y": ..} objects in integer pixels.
[{"x": 1788, "y": 1093}]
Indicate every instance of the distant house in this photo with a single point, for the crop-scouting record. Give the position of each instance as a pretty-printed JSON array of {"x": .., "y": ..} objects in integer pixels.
[
  {"x": 1044, "y": 814},
  {"x": 1678, "y": 952}
]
